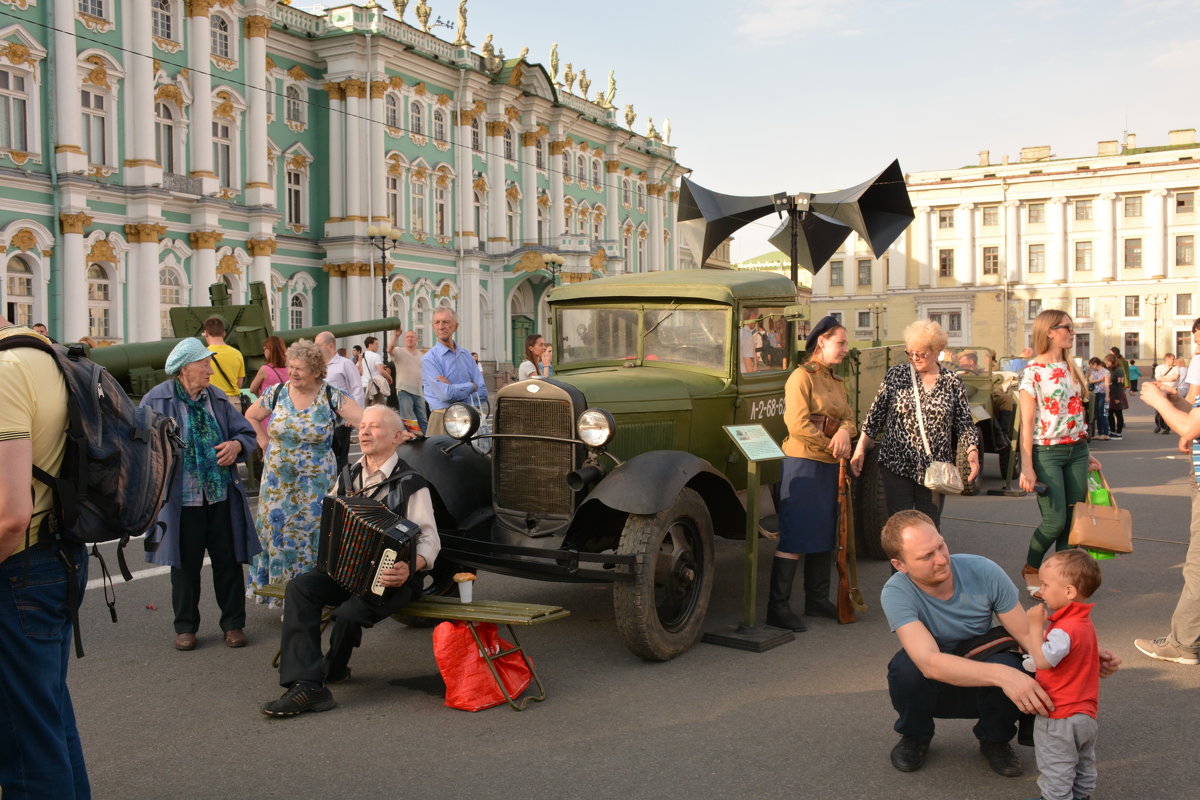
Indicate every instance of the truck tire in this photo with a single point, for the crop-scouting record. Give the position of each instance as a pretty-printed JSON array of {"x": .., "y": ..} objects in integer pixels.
[
  {"x": 660, "y": 612},
  {"x": 970, "y": 488},
  {"x": 872, "y": 509}
]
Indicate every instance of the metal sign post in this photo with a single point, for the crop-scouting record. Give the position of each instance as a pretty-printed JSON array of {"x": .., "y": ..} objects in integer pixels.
[{"x": 756, "y": 445}]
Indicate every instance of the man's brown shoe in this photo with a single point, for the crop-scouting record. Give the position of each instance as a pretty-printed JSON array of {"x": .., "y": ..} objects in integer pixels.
[
  {"x": 235, "y": 638},
  {"x": 185, "y": 641}
]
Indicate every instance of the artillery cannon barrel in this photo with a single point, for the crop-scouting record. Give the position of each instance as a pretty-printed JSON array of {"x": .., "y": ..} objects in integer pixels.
[
  {"x": 342, "y": 329},
  {"x": 122, "y": 359}
]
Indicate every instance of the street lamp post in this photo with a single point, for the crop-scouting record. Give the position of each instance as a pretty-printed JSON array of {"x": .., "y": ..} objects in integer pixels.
[
  {"x": 552, "y": 262},
  {"x": 383, "y": 239},
  {"x": 877, "y": 310},
  {"x": 1155, "y": 301}
]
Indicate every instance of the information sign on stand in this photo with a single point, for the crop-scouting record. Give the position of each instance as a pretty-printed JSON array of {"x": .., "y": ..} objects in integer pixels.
[{"x": 757, "y": 446}]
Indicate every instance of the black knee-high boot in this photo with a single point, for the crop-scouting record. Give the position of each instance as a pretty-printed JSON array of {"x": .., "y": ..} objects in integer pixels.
[
  {"x": 817, "y": 567},
  {"x": 779, "y": 610}
]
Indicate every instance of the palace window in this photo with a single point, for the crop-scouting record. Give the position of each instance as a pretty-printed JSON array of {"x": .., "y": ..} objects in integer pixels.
[
  {"x": 99, "y": 289},
  {"x": 991, "y": 261},
  {"x": 476, "y": 136},
  {"x": 94, "y": 7},
  {"x": 864, "y": 272},
  {"x": 510, "y": 151},
  {"x": 1133, "y": 342},
  {"x": 596, "y": 171},
  {"x": 1133, "y": 254},
  {"x": 581, "y": 167},
  {"x": 1033, "y": 308},
  {"x": 416, "y": 118},
  {"x": 1133, "y": 305},
  {"x": 164, "y": 137},
  {"x": 641, "y": 254},
  {"x": 295, "y": 197},
  {"x": 540, "y": 154},
  {"x": 293, "y": 105},
  {"x": 1183, "y": 305},
  {"x": 1185, "y": 202},
  {"x": 864, "y": 320},
  {"x": 479, "y": 219},
  {"x": 1083, "y": 256},
  {"x": 441, "y": 212},
  {"x": 1185, "y": 250},
  {"x": 393, "y": 201},
  {"x": 1083, "y": 345},
  {"x": 835, "y": 273},
  {"x": 1083, "y": 210},
  {"x": 221, "y": 43},
  {"x": 945, "y": 263},
  {"x": 222, "y": 142},
  {"x": 297, "y": 312},
  {"x": 566, "y": 165},
  {"x": 418, "y": 199},
  {"x": 95, "y": 126},
  {"x": 162, "y": 23},
  {"x": 945, "y": 218},
  {"x": 597, "y": 225},
  {"x": 391, "y": 111},
  {"x": 1133, "y": 206},
  {"x": 1036, "y": 212},
  {"x": 627, "y": 248},
  {"x": 991, "y": 216},
  {"x": 626, "y": 192},
  {"x": 541, "y": 224},
  {"x": 18, "y": 290},
  {"x": 641, "y": 196},
  {"x": 14, "y": 119},
  {"x": 1037, "y": 258},
  {"x": 439, "y": 125},
  {"x": 170, "y": 295},
  {"x": 510, "y": 220},
  {"x": 1083, "y": 307}
]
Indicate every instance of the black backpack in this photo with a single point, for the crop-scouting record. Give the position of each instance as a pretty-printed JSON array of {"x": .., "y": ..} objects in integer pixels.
[{"x": 117, "y": 465}]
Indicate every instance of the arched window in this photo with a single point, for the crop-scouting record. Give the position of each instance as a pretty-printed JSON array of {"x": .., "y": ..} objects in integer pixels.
[
  {"x": 418, "y": 201},
  {"x": 421, "y": 321},
  {"x": 510, "y": 221},
  {"x": 568, "y": 216},
  {"x": 626, "y": 192},
  {"x": 164, "y": 136},
  {"x": 567, "y": 162},
  {"x": 597, "y": 224},
  {"x": 293, "y": 106},
  {"x": 162, "y": 23},
  {"x": 540, "y": 153},
  {"x": 295, "y": 197},
  {"x": 297, "y": 312},
  {"x": 641, "y": 253},
  {"x": 391, "y": 111},
  {"x": 542, "y": 233},
  {"x": 18, "y": 290},
  {"x": 170, "y": 295},
  {"x": 581, "y": 221},
  {"x": 99, "y": 286},
  {"x": 95, "y": 126},
  {"x": 627, "y": 247},
  {"x": 393, "y": 201},
  {"x": 441, "y": 212},
  {"x": 641, "y": 194},
  {"x": 480, "y": 219},
  {"x": 508, "y": 144},
  {"x": 596, "y": 171},
  {"x": 220, "y": 37},
  {"x": 222, "y": 143},
  {"x": 581, "y": 167},
  {"x": 416, "y": 118},
  {"x": 439, "y": 125},
  {"x": 476, "y": 135},
  {"x": 14, "y": 120}
]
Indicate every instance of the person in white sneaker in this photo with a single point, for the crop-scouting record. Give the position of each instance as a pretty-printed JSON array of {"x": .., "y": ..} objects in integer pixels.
[{"x": 1182, "y": 644}]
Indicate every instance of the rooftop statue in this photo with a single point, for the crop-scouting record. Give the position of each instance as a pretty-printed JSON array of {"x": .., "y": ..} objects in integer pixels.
[
  {"x": 423, "y": 12},
  {"x": 611, "y": 93},
  {"x": 400, "y": 5},
  {"x": 630, "y": 116},
  {"x": 554, "y": 63},
  {"x": 569, "y": 78},
  {"x": 462, "y": 24},
  {"x": 584, "y": 84}
]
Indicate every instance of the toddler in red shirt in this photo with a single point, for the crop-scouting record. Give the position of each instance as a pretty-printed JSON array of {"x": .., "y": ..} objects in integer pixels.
[{"x": 1065, "y": 652}]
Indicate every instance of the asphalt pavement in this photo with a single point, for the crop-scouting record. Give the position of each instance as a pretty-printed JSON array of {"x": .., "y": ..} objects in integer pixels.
[{"x": 808, "y": 719}]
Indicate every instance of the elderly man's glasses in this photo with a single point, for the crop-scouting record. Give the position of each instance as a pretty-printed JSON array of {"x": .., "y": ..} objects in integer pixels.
[
  {"x": 918, "y": 355},
  {"x": 1065, "y": 326}
]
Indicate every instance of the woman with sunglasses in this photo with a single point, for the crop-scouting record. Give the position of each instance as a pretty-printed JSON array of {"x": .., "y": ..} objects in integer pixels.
[
  {"x": 1054, "y": 446},
  {"x": 820, "y": 425},
  {"x": 892, "y": 423}
]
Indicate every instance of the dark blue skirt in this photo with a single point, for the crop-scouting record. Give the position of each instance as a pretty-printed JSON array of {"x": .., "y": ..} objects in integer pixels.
[{"x": 808, "y": 509}]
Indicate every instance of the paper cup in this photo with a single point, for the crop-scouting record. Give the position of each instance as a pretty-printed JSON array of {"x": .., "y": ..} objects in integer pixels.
[{"x": 464, "y": 591}]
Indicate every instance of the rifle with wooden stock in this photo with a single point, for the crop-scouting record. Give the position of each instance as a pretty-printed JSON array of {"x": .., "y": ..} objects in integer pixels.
[{"x": 849, "y": 597}]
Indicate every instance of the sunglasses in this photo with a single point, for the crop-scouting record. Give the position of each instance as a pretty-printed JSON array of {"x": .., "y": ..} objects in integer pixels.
[
  {"x": 1065, "y": 326},
  {"x": 917, "y": 356}
]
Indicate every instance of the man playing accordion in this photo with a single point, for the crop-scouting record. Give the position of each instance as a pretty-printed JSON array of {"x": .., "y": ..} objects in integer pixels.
[{"x": 302, "y": 671}]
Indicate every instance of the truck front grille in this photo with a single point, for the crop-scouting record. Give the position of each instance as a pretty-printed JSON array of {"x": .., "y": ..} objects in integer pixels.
[{"x": 530, "y": 474}]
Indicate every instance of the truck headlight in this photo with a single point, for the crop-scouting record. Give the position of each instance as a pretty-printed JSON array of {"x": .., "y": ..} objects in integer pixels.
[
  {"x": 595, "y": 427},
  {"x": 461, "y": 421}
]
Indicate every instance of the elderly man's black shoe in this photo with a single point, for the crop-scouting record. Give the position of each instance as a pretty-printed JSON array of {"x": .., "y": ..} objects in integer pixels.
[
  {"x": 909, "y": 753},
  {"x": 1001, "y": 758}
]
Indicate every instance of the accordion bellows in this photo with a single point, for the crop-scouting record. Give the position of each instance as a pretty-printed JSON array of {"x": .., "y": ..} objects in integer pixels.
[{"x": 361, "y": 537}]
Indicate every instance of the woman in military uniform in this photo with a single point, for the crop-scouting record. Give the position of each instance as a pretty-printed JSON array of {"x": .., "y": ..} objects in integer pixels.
[{"x": 820, "y": 426}]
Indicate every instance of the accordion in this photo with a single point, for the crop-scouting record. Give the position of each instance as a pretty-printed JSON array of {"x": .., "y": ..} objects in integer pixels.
[{"x": 360, "y": 538}]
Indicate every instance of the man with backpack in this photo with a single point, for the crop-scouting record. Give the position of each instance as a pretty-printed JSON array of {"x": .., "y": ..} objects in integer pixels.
[{"x": 40, "y": 751}]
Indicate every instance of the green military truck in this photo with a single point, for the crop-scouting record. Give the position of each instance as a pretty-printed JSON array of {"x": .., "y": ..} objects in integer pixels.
[{"x": 617, "y": 469}]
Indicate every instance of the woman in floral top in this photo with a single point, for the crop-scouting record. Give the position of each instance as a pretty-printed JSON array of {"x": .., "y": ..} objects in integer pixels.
[{"x": 1054, "y": 448}]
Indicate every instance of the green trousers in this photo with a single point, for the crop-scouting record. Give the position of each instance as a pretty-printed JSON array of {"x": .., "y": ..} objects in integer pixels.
[{"x": 1063, "y": 468}]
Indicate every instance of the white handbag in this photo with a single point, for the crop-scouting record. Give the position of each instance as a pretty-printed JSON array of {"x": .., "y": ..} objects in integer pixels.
[{"x": 940, "y": 476}]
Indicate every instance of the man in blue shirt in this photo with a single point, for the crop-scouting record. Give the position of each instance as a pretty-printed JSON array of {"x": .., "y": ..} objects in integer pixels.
[
  {"x": 934, "y": 603},
  {"x": 448, "y": 372}
]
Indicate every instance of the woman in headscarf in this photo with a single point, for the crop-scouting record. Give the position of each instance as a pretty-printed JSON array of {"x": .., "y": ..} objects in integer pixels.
[{"x": 206, "y": 508}]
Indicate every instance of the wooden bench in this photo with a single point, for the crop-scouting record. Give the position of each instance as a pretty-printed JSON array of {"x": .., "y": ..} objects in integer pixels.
[{"x": 452, "y": 609}]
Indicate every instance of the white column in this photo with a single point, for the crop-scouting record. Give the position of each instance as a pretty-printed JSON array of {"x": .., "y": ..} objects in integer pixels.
[
  {"x": 337, "y": 175},
  {"x": 557, "y": 197},
  {"x": 529, "y": 144},
  {"x": 141, "y": 169},
  {"x": 337, "y": 292},
  {"x": 1056, "y": 250},
  {"x": 356, "y": 294},
  {"x": 670, "y": 252},
  {"x": 1154, "y": 248},
  {"x": 204, "y": 265},
  {"x": 1012, "y": 241},
  {"x": 375, "y": 163},
  {"x": 464, "y": 183},
  {"x": 495, "y": 197},
  {"x": 923, "y": 247},
  {"x": 258, "y": 187},
  {"x": 964, "y": 257},
  {"x": 68, "y": 150},
  {"x": 74, "y": 324},
  {"x": 355, "y": 92},
  {"x": 200, "y": 130},
  {"x": 897, "y": 258},
  {"x": 1105, "y": 264},
  {"x": 655, "y": 250},
  {"x": 143, "y": 288},
  {"x": 612, "y": 196}
]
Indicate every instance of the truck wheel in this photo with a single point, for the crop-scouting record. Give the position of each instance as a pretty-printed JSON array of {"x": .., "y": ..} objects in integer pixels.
[
  {"x": 970, "y": 488},
  {"x": 659, "y": 612},
  {"x": 872, "y": 509}
]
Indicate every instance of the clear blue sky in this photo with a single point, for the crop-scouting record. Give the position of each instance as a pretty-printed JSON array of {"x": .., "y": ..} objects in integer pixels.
[{"x": 811, "y": 95}]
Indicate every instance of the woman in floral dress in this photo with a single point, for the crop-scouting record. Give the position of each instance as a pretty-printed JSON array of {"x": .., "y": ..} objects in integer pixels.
[
  {"x": 1054, "y": 447},
  {"x": 300, "y": 467}
]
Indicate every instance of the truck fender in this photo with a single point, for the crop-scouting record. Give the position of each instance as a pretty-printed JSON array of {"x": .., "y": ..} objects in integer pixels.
[
  {"x": 460, "y": 480},
  {"x": 649, "y": 482}
]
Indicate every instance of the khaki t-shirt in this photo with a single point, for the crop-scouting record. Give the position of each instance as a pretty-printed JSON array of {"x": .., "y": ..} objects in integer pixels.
[
  {"x": 33, "y": 405},
  {"x": 234, "y": 365}
]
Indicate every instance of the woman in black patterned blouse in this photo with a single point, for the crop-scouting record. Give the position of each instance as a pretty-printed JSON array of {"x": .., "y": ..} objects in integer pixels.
[{"x": 892, "y": 422}]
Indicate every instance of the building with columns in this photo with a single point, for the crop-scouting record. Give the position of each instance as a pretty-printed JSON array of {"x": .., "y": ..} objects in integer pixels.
[
  {"x": 1110, "y": 238},
  {"x": 149, "y": 148}
]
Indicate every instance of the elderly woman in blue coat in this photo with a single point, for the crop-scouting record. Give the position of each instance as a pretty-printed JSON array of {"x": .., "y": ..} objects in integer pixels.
[{"x": 206, "y": 508}]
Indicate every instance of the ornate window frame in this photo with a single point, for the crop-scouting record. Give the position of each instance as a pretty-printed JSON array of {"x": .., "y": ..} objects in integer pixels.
[
  {"x": 100, "y": 78},
  {"x": 229, "y": 107},
  {"x": 223, "y": 42},
  {"x": 173, "y": 41},
  {"x": 297, "y": 161},
  {"x": 22, "y": 59}
]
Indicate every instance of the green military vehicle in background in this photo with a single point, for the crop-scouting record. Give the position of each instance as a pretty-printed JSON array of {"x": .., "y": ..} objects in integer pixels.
[{"x": 616, "y": 469}]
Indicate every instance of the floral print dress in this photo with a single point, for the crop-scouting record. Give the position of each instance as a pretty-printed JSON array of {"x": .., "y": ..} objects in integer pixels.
[
  {"x": 1058, "y": 398},
  {"x": 298, "y": 471}
]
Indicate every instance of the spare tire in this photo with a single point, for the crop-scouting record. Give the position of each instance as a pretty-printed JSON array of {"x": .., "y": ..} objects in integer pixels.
[{"x": 871, "y": 508}]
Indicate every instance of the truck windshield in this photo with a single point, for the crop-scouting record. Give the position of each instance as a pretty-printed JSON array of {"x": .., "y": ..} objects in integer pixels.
[{"x": 689, "y": 336}]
